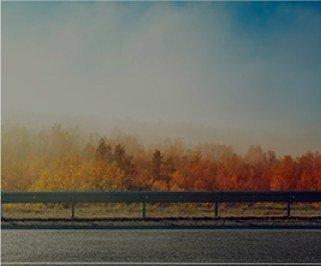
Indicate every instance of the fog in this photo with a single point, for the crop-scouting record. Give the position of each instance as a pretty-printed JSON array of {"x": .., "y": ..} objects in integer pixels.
[{"x": 200, "y": 71}]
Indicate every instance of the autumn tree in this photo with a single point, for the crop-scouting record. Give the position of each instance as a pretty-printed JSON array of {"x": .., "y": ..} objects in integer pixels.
[
  {"x": 284, "y": 175},
  {"x": 60, "y": 159}
]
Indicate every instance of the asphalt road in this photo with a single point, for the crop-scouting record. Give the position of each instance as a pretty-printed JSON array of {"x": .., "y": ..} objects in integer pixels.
[{"x": 209, "y": 246}]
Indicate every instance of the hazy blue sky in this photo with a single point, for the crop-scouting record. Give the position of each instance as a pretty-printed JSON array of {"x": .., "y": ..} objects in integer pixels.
[{"x": 242, "y": 65}]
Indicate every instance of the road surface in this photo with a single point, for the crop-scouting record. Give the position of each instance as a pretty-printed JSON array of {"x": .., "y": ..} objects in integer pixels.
[{"x": 193, "y": 245}]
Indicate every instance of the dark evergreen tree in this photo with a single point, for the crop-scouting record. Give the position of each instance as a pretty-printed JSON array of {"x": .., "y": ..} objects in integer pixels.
[
  {"x": 157, "y": 161},
  {"x": 104, "y": 151}
]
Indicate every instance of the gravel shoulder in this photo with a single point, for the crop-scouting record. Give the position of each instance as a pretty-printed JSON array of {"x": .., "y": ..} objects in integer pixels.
[{"x": 167, "y": 223}]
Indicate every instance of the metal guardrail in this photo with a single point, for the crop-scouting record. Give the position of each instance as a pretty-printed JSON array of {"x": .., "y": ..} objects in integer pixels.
[{"x": 72, "y": 198}]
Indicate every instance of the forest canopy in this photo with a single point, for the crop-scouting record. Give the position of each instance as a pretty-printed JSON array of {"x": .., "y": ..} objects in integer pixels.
[{"x": 58, "y": 159}]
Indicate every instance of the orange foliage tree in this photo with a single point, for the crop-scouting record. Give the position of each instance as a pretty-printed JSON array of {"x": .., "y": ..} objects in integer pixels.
[{"x": 65, "y": 160}]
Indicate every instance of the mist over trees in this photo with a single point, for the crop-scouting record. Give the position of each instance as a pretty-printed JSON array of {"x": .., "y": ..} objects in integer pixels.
[
  {"x": 59, "y": 159},
  {"x": 289, "y": 140}
]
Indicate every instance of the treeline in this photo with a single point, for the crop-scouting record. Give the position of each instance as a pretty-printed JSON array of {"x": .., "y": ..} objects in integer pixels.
[{"x": 61, "y": 160}]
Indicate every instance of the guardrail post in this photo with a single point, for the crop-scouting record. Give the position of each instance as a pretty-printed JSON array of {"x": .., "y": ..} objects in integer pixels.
[
  {"x": 288, "y": 208},
  {"x": 144, "y": 210},
  {"x": 72, "y": 210},
  {"x": 216, "y": 209}
]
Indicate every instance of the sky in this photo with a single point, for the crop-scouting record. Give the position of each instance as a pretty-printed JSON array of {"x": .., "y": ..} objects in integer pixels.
[{"x": 252, "y": 65}]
